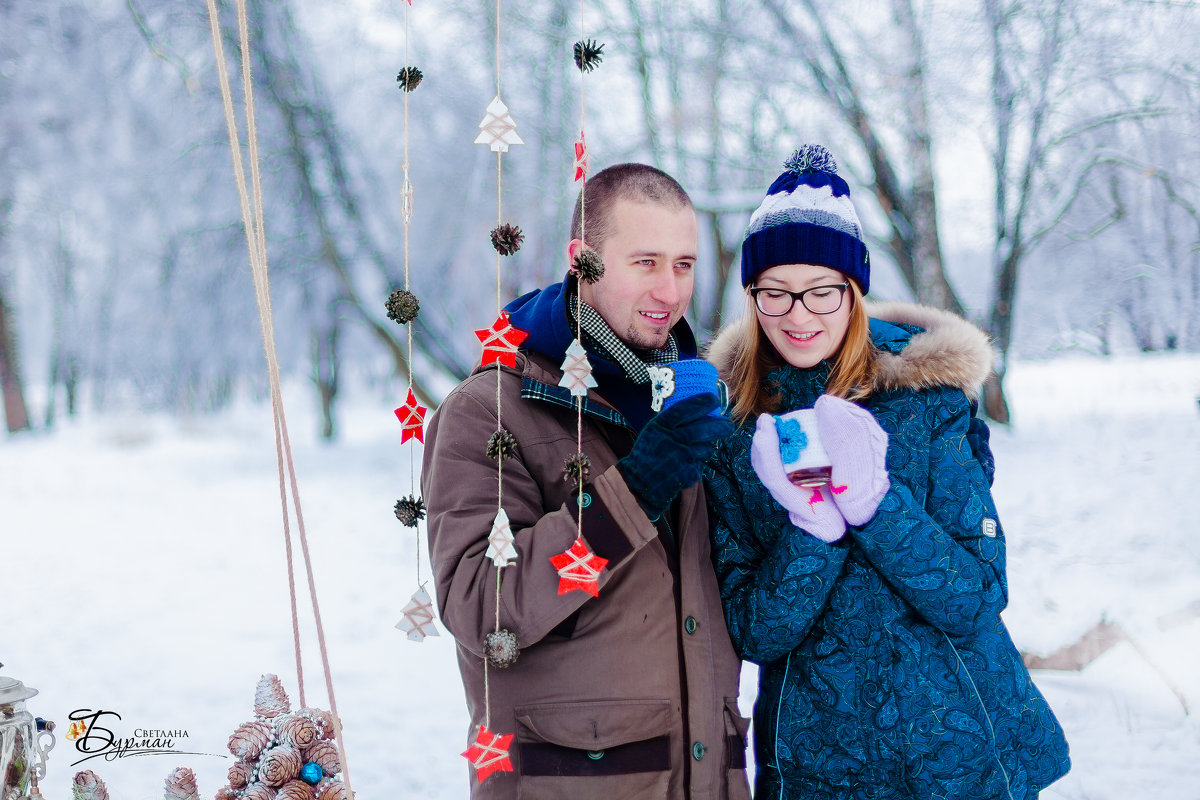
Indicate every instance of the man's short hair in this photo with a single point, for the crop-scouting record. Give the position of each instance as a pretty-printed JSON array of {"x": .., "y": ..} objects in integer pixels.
[{"x": 637, "y": 182}]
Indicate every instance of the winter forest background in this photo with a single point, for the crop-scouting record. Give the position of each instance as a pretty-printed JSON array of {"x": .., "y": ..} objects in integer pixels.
[{"x": 1031, "y": 164}]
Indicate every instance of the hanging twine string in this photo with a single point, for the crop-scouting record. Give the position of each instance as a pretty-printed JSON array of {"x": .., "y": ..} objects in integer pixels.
[
  {"x": 406, "y": 218},
  {"x": 256, "y": 245},
  {"x": 487, "y": 702},
  {"x": 578, "y": 300}
]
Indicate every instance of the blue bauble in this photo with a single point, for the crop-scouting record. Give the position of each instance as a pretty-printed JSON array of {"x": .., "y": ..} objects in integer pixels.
[{"x": 312, "y": 773}]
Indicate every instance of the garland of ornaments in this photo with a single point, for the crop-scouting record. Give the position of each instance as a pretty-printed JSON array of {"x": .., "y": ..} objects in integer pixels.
[
  {"x": 578, "y": 568},
  {"x": 417, "y": 618}
]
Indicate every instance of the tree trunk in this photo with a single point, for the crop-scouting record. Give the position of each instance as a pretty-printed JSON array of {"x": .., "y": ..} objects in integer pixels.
[
  {"x": 325, "y": 374},
  {"x": 16, "y": 414},
  {"x": 995, "y": 404}
]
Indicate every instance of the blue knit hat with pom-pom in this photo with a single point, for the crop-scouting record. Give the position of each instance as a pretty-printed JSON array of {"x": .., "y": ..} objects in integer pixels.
[{"x": 807, "y": 218}]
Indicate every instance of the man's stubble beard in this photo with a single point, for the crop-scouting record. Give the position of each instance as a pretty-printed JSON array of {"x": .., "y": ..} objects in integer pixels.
[{"x": 641, "y": 341}]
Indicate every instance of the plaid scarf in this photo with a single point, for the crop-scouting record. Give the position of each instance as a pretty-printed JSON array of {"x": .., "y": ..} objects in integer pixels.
[{"x": 600, "y": 336}]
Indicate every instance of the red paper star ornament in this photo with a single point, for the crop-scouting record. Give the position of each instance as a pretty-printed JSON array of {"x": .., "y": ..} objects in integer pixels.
[
  {"x": 582, "y": 157},
  {"x": 489, "y": 753},
  {"x": 500, "y": 342},
  {"x": 412, "y": 417},
  {"x": 578, "y": 568}
]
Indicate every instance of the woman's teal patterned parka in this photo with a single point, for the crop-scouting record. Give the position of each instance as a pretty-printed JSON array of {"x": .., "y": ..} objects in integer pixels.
[{"x": 885, "y": 670}]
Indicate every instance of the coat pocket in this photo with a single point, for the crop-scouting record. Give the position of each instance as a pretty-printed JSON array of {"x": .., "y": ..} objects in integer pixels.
[
  {"x": 597, "y": 749},
  {"x": 736, "y": 726}
]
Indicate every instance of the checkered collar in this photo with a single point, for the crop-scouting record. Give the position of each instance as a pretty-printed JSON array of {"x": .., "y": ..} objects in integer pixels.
[{"x": 600, "y": 336}]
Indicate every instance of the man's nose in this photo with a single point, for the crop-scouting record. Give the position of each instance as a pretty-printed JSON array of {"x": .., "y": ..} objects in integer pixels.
[{"x": 666, "y": 289}]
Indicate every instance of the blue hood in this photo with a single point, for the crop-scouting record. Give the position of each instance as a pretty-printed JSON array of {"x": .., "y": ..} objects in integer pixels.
[{"x": 543, "y": 313}]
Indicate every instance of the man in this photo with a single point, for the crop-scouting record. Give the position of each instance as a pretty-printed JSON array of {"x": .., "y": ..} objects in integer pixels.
[{"x": 632, "y": 692}]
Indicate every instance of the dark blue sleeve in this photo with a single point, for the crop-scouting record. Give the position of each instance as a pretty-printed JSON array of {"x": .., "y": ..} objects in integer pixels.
[
  {"x": 946, "y": 558},
  {"x": 978, "y": 437}
]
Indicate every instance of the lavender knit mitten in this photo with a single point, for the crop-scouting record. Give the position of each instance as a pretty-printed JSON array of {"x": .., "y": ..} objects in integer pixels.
[
  {"x": 857, "y": 449},
  {"x": 808, "y": 509}
]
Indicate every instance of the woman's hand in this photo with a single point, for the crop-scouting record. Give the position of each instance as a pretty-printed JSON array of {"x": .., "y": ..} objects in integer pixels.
[
  {"x": 857, "y": 449},
  {"x": 809, "y": 509}
]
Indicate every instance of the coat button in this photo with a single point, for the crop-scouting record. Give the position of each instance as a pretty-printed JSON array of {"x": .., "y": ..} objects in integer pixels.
[
  {"x": 689, "y": 624},
  {"x": 698, "y": 750},
  {"x": 585, "y": 500}
]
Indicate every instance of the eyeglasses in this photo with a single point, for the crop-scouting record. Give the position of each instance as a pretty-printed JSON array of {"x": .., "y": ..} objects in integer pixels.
[{"x": 819, "y": 299}]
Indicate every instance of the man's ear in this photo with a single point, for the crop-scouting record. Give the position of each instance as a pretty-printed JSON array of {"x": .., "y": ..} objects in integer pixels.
[{"x": 574, "y": 248}]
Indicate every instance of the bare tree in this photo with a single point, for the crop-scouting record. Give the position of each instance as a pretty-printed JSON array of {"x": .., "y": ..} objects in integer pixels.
[{"x": 16, "y": 413}]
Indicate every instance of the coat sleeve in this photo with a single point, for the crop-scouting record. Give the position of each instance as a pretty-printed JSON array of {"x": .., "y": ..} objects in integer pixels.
[
  {"x": 775, "y": 579},
  {"x": 946, "y": 559},
  {"x": 459, "y": 484}
]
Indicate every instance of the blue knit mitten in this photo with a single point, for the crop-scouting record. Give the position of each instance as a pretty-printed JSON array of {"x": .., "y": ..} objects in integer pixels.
[{"x": 669, "y": 454}]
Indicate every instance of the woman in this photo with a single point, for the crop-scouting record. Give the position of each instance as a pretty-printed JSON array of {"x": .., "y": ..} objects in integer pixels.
[{"x": 872, "y": 602}]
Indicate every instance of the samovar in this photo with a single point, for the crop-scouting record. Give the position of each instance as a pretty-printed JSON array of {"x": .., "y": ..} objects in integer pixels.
[{"x": 25, "y": 741}]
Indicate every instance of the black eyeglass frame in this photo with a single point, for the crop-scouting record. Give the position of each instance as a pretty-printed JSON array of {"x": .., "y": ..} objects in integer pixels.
[{"x": 841, "y": 287}]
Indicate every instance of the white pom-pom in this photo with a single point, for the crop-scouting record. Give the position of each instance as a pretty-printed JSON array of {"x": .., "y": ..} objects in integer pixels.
[{"x": 811, "y": 158}]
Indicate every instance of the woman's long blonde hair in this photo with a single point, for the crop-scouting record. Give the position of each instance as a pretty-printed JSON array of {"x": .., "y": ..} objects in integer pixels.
[{"x": 752, "y": 356}]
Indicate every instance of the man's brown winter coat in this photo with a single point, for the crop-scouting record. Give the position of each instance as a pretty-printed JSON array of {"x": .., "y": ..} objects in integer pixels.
[{"x": 631, "y": 694}]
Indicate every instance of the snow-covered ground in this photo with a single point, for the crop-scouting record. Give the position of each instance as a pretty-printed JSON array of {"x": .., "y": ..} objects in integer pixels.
[{"x": 143, "y": 572}]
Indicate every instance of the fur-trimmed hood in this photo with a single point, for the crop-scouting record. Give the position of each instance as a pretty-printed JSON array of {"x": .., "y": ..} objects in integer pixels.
[{"x": 947, "y": 351}]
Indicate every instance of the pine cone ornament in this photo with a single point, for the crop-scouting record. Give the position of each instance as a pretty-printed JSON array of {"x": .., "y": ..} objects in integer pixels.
[
  {"x": 410, "y": 510},
  {"x": 507, "y": 239},
  {"x": 295, "y": 790},
  {"x": 578, "y": 469},
  {"x": 298, "y": 730},
  {"x": 87, "y": 785},
  {"x": 502, "y": 444},
  {"x": 239, "y": 775},
  {"x": 181, "y": 785},
  {"x": 402, "y": 306},
  {"x": 258, "y": 791},
  {"x": 588, "y": 266},
  {"x": 324, "y": 753},
  {"x": 279, "y": 765},
  {"x": 501, "y": 648},
  {"x": 331, "y": 790},
  {"x": 270, "y": 699},
  {"x": 275, "y": 749},
  {"x": 249, "y": 740},
  {"x": 409, "y": 78},
  {"x": 588, "y": 55},
  {"x": 324, "y": 721}
]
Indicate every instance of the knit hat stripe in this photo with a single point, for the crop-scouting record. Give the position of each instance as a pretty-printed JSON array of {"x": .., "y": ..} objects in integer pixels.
[
  {"x": 813, "y": 216},
  {"x": 804, "y": 243},
  {"x": 788, "y": 181}
]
